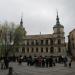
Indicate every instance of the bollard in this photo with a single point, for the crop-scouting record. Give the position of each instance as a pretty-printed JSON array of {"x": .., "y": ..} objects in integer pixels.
[{"x": 10, "y": 72}]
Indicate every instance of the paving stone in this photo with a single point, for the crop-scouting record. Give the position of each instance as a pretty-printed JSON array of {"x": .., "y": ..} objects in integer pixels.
[{"x": 23, "y": 69}]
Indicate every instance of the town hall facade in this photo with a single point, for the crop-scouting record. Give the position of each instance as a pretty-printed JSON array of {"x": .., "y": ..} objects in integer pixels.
[{"x": 45, "y": 44}]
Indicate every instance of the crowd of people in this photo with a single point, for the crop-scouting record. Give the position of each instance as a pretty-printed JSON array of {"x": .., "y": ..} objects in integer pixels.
[
  {"x": 48, "y": 61},
  {"x": 36, "y": 61}
]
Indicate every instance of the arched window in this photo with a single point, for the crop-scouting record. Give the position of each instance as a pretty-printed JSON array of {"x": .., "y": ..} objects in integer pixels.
[
  {"x": 36, "y": 49},
  {"x": 36, "y": 42},
  {"x": 59, "y": 41},
  {"x": 32, "y": 50},
  {"x": 28, "y": 50},
  {"x": 46, "y": 50},
  {"x": 23, "y": 50},
  {"x": 41, "y": 50},
  {"x": 27, "y": 42},
  {"x": 51, "y": 41},
  {"x": 51, "y": 50},
  {"x": 41, "y": 42},
  {"x": 59, "y": 49},
  {"x": 32, "y": 42},
  {"x": 46, "y": 42}
]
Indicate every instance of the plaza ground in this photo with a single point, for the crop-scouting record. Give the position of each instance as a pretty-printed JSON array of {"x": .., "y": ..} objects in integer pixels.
[{"x": 23, "y": 69}]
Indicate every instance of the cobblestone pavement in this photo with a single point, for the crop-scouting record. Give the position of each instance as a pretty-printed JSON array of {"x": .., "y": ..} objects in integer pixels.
[{"x": 23, "y": 69}]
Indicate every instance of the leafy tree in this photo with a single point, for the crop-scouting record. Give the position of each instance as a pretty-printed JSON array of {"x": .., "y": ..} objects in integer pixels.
[
  {"x": 11, "y": 36},
  {"x": 6, "y": 37},
  {"x": 19, "y": 36}
]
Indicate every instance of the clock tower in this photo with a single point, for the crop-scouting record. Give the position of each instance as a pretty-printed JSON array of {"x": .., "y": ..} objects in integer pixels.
[{"x": 59, "y": 38}]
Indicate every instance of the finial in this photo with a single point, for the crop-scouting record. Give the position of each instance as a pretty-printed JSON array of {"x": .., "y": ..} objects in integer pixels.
[
  {"x": 57, "y": 19},
  {"x": 21, "y": 22},
  {"x": 57, "y": 13}
]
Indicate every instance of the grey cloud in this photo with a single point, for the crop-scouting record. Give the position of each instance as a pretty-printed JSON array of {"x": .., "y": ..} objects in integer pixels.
[{"x": 39, "y": 15}]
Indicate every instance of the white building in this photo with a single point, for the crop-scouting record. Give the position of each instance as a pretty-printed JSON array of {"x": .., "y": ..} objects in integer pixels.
[{"x": 45, "y": 44}]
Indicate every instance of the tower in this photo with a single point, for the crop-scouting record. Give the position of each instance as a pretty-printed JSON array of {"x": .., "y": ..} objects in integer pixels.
[
  {"x": 59, "y": 38},
  {"x": 21, "y": 22},
  {"x": 21, "y": 26},
  {"x": 58, "y": 28},
  {"x": 57, "y": 19}
]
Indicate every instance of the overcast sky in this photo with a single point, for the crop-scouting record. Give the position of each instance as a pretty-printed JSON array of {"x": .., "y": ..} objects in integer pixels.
[{"x": 39, "y": 15}]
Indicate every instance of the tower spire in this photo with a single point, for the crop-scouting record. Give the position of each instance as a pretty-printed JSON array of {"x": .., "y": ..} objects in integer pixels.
[
  {"x": 57, "y": 19},
  {"x": 21, "y": 22}
]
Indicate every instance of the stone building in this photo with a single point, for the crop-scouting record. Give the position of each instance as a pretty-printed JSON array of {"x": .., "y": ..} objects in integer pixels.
[
  {"x": 71, "y": 43},
  {"x": 45, "y": 44}
]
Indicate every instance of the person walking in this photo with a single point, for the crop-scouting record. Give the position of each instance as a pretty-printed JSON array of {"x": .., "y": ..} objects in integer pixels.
[
  {"x": 54, "y": 62},
  {"x": 70, "y": 61},
  {"x": 2, "y": 63},
  {"x": 65, "y": 61},
  {"x": 47, "y": 61}
]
